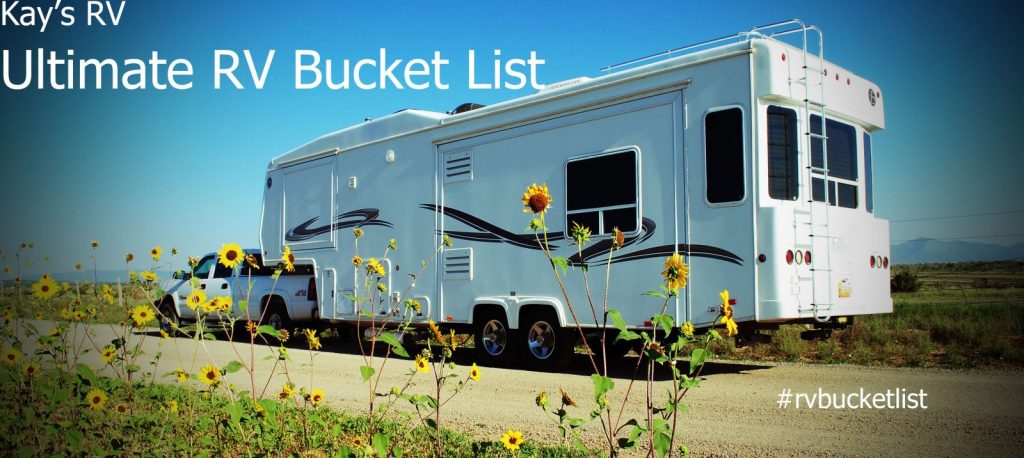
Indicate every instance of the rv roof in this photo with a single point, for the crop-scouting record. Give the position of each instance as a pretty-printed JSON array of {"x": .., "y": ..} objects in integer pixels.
[{"x": 408, "y": 121}]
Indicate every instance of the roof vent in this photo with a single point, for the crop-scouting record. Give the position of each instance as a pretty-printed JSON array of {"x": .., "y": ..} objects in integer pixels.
[{"x": 468, "y": 106}]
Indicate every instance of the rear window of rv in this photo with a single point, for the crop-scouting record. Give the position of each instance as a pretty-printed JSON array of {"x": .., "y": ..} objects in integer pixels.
[
  {"x": 842, "y": 162},
  {"x": 601, "y": 192},
  {"x": 868, "y": 198},
  {"x": 723, "y": 155},
  {"x": 783, "y": 159}
]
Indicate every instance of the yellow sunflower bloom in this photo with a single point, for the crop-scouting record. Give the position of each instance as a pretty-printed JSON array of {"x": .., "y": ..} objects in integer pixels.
[
  {"x": 142, "y": 314},
  {"x": 212, "y": 305},
  {"x": 196, "y": 299},
  {"x": 30, "y": 369},
  {"x": 435, "y": 331},
  {"x": 316, "y": 397},
  {"x": 512, "y": 439},
  {"x": 536, "y": 199},
  {"x": 95, "y": 398},
  {"x": 108, "y": 353},
  {"x": 129, "y": 257},
  {"x": 392, "y": 244},
  {"x": 78, "y": 266},
  {"x": 209, "y": 375},
  {"x": 156, "y": 252},
  {"x": 474, "y": 373},
  {"x": 373, "y": 267},
  {"x": 357, "y": 261},
  {"x": 287, "y": 390},
  {"x": 675, "y": 272},
  {"x": 725, "y": 305},
  {"x": 182, "y": 376},
  {"x": 149, "y": 276},
  {"x": 289, "y": 259},
  {"x": 172, "y": 405},
  {"x": 224, "y": 304},
  {"x": 312, "y": 339},
  {"x": 731, "y": 328},
  {"x": 687, "y": 329},
  {"x": 231, "y": 255},
  {"x": 357, "y": 232},
  {"x": 45, "y": 288},
  {"x": 422, "y": 364},
  {"x": 12, "y": 356},
  {"x": 95, "y": 244}
]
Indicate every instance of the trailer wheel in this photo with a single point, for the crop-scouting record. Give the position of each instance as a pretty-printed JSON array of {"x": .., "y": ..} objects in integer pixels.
[
  {"x": 493, "y": 339},
  {"x": 547, "y": 345}
]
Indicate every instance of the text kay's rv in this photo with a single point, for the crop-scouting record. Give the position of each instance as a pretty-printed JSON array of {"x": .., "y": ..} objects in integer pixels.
[{"x": 749, "y": 156}]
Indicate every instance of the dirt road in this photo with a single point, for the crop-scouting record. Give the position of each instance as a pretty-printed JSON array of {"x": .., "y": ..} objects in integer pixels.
[{"x": 734, "y": 412}]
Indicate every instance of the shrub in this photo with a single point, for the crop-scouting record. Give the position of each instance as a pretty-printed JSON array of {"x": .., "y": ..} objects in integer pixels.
[
  {"x": 917, "y": 348},
  {"x": 905, "y": 282},
  {"x": 788, "y": 342},
  {"x": 829, "y": 350}
]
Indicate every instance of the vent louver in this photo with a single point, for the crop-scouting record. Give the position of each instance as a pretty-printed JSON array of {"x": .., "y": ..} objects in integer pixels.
[
  {"x": 458, "y": 166},
  {"x": 458, "y": 264}
]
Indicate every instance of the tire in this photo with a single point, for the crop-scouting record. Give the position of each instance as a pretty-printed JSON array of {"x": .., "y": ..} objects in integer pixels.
[
  {"x": 545, "y": 345},
  {"x": 168, "y": 315},
  {"x": 277, "y": 317},
  {"x": 492, "y": 338}
]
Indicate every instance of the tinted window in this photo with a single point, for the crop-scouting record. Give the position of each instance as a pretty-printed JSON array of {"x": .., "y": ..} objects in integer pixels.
[
  {"x": 723, "y": 155},
  {"x": 868, "y": 198},
  {"x": 219, "y": 271},
  {"x": 601, "y": 192},
  {"x": 842, "y": 148},
  {"x": 783, "y": 164},
  {"x": 204, "y": 267}
]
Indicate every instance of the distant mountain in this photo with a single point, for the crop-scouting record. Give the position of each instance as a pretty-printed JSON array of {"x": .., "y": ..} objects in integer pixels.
[{"x": 924, "y": 250}]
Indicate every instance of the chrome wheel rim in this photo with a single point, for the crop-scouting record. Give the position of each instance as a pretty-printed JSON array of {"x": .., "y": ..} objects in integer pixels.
[
  {"x": 494, "y": 337},
  {"x": 541, "y": 340},
  {"x": 275, "y": 321}
]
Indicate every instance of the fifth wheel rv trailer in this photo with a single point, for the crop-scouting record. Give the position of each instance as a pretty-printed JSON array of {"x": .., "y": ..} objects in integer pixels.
[{"x": 749, "y": 156}]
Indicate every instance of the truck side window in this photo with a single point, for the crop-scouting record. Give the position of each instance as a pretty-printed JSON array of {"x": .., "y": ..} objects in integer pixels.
[
  {"x": 723, "y": 155},
  {"x": 601, "y": 192},
  {"x": 202, "y": 270},
  {"x": 219, "y": 271}
]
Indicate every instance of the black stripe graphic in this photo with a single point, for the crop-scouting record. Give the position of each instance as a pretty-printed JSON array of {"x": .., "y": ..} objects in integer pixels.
[
  {"x": 491, "y": 233},
  {"x": 354, "y": 218}
]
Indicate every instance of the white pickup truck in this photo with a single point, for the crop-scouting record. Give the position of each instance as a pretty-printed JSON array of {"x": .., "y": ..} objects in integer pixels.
[{"x": 291, "y": 298}]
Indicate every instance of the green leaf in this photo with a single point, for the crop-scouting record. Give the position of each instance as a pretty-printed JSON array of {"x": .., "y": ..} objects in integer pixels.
[
  {"x": 616, "y": 317},
  {"x": 602, "y": 385},
  {"x": 559, "y": 261},
  {"x": 392, "y": 339},
  {"x": 242, "y": 305},
  {"x": 366, "y": 372},
  {"x": 655, "y": 294},
  {"x": 132, "y": 368},
  {"x": 431, "y": 423},
  {"x": 209, "y": 336},
  {"x": 235, "y": 411},
  {"x": 697, "y": 358},
  {"x": 233, "y": 366},
  {"x": 627, "y": 336},
  {"x": 380, "y": 443},
  {"x": 85, "y": 372},
  {"x": 276, "y": 275},
  {"x": 269, "y": 330},
  {"x": 665, "y": 321},
  {"x": 662, "y": 436},
  {"x": 430, "y": 401}
]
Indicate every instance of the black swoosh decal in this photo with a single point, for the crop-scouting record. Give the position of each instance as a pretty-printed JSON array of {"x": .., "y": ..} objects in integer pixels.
[
  {"x": 491, "y": 233},
  {"x": 700, "y": 251},
  {"x": 602, "y": 247},
  {"x": 354, "y": 218}
]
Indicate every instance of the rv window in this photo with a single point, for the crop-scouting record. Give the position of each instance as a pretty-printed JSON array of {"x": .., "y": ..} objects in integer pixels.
[
  {"x": 868, "y": 198},
  {"x": 783, "y": 166},
  {"x": 723, "y": 154},
  {"x": 842, "y": 161},
  {"x": 601, "y": 192}
]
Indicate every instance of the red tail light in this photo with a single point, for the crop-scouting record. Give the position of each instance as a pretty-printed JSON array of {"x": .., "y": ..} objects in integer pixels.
[
  {"x": 789, "y": 256},
  {"x": 872, "y": 261},
  {"x": 807, "y": 257},
  {"x": 311, "y": 289},
  {"x": 885, "y": 262}
]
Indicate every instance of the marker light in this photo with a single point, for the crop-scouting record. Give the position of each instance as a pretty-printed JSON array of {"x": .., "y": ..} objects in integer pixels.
[
  {"x": 799, "y": 257},
  {"x": 872, "y": 261},
  {"x": 789, "y": 256},
  {"x": 807, "y": 257},
  {"x": 885, "y": 262}
]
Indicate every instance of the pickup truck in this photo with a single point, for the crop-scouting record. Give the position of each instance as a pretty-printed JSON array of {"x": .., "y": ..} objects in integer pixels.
[{"x": 291, "y": 298}]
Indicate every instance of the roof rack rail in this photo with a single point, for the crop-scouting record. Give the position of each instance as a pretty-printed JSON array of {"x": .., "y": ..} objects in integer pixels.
[{"x": 762, "y": 31}]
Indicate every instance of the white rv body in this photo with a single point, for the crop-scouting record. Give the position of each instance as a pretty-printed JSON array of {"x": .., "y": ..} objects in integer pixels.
[{"x": 415, "y": 175}]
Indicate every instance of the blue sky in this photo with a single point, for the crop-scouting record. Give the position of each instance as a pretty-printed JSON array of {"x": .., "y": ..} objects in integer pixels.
[{"x": 185, "y": 168}]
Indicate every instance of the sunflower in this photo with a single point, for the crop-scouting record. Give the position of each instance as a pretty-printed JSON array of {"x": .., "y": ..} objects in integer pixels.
[
  {"x": 108, "y": 353},
  {"x": 95, "y": 398},
  {"x": 536, "y": 199},
  {"x": 392, "y": 244},
  {"x": 435, "y": 331},
  {"x": 164, "y": 335},
  {"x": 209, "y": 375},
  {"x": 30, "y": 369},
  {"x": 566, "y": 399},
  {"x": 687, "y": 329},
  {"x": 675, "y": 272},
  {"x": 357, "y": 232},
  {"x": 580, "y": 234},
  {"x": 316, "y": 397},
  {"x": 287, "y": 390},
  {"x": 474, "y": 373},
  {"x": 382, "y": 288},
  {"x": 182, "y": 376},
  {"x": 149, "y": 276},
  {"x": 726, "y": 304},
  {"x": 196, "y": 299},
  {"x": 95, "y": 244},
  {"x": 142, "y": 314},
  {"x": 12, "y": 356},
  {"x": 618, "y": 238},
  {"x": 78, "y": 266},
  {"x": 731, "y": 328},
  {"x": 357, "y": 261},
  {"x": 414, "y": 305},
  {"x": 312, "y": 339},
  {"x": 251, "y": 260},
  {"x": 156, "y": 252},
  {"x": 129, "y": 257},
  {"x": 224, "y": 303},
  {"x": 231, "y": 255},
  {"x": 542, "y": 399},
  {"x": 172, "y": 405},
  {"x": 512, "y": 439},
  {"x": 373, "y": 267},
  {"x": 422, "y": 364},
  {"x": 121, "y": 408},
  {"x": 289, "y": 259},
  {"x": 212, "y": 305},
  {"x": 45, "y": 288}
]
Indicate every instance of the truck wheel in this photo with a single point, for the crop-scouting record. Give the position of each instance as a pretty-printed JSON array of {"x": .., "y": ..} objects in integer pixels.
[
  {"x": 277, "y": 317},
  {"x": 546, "y": 345},
  {"x": 168, "y": 316},
  {"x": 493, "y": 339}
]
